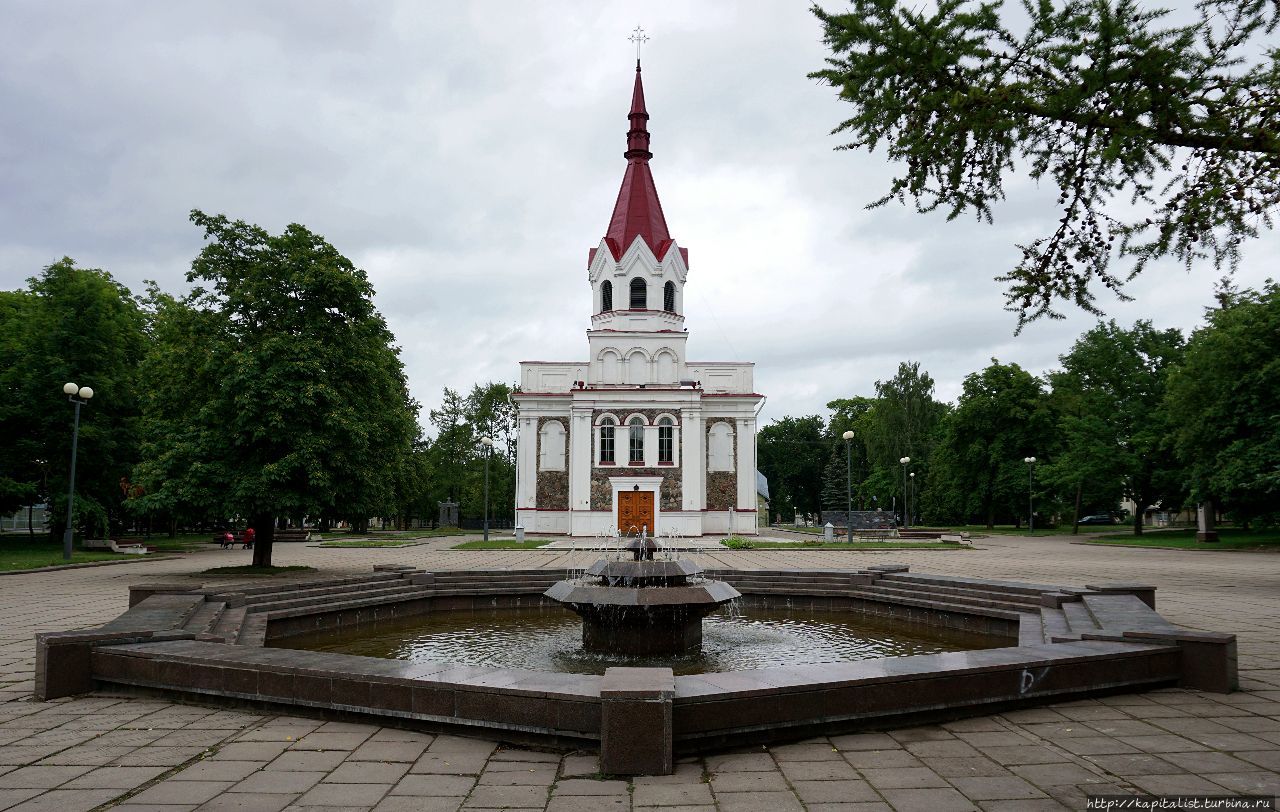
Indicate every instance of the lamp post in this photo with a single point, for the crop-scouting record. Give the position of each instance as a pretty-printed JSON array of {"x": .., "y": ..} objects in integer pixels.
[
  {"x": 79, "y": 395},
  {"x": 487, "y": 442},
  {"x": 848, "y": 492},
  {"x": 912, "y": 491},
  {"x": 906, "y": 520},
  {"x": 1031, "y": 514}
]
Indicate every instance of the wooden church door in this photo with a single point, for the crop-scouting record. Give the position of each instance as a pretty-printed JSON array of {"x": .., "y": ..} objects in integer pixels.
[{"x": 635, "y": 510}]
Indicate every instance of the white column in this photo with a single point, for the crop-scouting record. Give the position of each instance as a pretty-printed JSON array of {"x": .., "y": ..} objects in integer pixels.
[
  {"x": 746, "y": 429},
  {"x": 527, "y": 463},
  {"x": 692, "y": 459},
  {"x": 580, "y": 440},
  {"x": 651, "y": 446}
]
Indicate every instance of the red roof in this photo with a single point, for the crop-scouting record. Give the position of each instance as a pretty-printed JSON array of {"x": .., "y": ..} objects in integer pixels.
[{"x": 638, "y": 212}]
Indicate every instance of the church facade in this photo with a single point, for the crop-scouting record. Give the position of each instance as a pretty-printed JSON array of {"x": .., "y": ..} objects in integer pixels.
[{"x": 637, "y": 437}]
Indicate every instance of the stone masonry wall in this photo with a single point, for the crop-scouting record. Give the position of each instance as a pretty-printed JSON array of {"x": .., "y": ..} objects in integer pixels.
[
  {"x": 722, "y": 486},
  {"x": 669, "y": 493},
  {"x": 552, "y": 487}
]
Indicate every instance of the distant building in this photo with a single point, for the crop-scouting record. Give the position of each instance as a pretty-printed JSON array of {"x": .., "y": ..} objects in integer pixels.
[{"x": 637, "y": 437}]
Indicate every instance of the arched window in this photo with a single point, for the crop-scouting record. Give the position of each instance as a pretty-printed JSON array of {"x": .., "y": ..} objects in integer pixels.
[
  {"x": 636, "y": 425},
  {"x": 666, "y": 438},
  {"x": 606, "y": 441},
  {"x": 669, "y": 297},
  {"x": 639, "y": 294},
  {"x": 606, "y": 296}
]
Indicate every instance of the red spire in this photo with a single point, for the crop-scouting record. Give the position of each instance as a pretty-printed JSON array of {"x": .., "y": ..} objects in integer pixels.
[{"x": 638, "y": 211}]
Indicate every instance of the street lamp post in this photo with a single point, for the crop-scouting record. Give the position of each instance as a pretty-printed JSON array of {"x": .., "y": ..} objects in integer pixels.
[
  {"x": 912, "y": 491},
  {"x": 79, "y": 395},
  {"x": 1031, "y": 514},
  {"x": 906, "y": 518},
  {"x": 487, "y": 442},
  {"x": 848, "y": 492}
]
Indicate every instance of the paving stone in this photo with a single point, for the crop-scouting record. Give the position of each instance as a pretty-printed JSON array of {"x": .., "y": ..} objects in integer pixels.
[
  {"x": 449, "y": 764},
  {"x": 250, "y": 751},
  {"x": 181, "y": 792},
  {"x": 995, "y": 789},
  {"x": 747, "y": 782},
  {"x": 132, "y": 807},
  {"x": 507, "y": 754},
  {"x": 952, "y": 748},
  {"x": 1061, "y": 774},
  {"x": 574, "y": 766},
  {"x": 543, "y": 776},
  {"x": 949, "y": 767},
  {"x": 1167, "y": 743},
  {"x": 812, "y": 792},
  {"x": 114, "y": 778},
  {"x": 582, "y": 786},
  {"x": 1176, "y": 785},
  {"x": 818, "y": 770},
  {"x": 1024, "y": 805},
  {"x": 672, "y": 794},
  {"x": 278, "y": 781},
  {"x": 758, "y": 802},
  {"x": 367, "y": 772},
  {"x": 741, "y": 762},
  {"x": 1252, "y": 783},
  {"x": 865, "y": 741},
  {"x": 321, "y": 740},
  {"x": 248, "y": 802},
  {"x": 308, "y": 760},
  {"x": 388, "y": 751},
  {"x": 809, "y": 751},
  {"x": 507, "y": 798},
  {"x": 67, "y": 800},
  {"x": 407, "y": 803},
  {"x": 878, "y": 759},
  {"x": 216, "y": 770},
  {"x": 927, "y": 800},
  {"x": 327, "y": 794},
  {"x": 1028, "y": 754},
  {"x": 903, "y": 777},
  {"x": 40, "y": 777},
  {"x": 584, "y": 803},
  {"x": 434, "y": 785}
]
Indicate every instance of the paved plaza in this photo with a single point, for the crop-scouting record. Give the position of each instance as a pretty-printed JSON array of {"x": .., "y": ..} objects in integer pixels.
[{"x": 133, "y": 754}]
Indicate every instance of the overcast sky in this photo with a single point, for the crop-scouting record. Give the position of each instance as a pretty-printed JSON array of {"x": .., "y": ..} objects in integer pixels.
[{"x": 467, "y": 155}]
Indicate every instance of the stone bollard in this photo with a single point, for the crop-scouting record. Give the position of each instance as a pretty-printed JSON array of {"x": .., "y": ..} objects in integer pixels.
[
  {"x": 635, "y": 721},
  {"x": 829, "y": 532},
  {"x": 519, "y": 532}
]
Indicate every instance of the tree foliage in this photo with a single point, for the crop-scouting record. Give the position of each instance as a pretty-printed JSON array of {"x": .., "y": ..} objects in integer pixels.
[
  {"x": 1119, "y": 378},
  {"x": 793, "y": 452},
  {"x": 1001, "y": 417},
  {"x": 1163, "y": 137},
  {"x": 1224, "y": 405},
  {"x": 276, "y": 390},
  {"x": 72, "y": 324}
]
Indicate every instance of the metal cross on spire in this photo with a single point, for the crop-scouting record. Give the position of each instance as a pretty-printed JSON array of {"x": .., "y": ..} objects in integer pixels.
[{"x": 639, "y": 38}]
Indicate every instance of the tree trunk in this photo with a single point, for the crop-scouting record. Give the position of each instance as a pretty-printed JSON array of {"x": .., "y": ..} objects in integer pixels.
[
  {"x": 1075, "y": 522},
  {"x": 1138, "y": 509},
  {"x": 264, "y": 528},
  {"x": 31, "y": 528}
]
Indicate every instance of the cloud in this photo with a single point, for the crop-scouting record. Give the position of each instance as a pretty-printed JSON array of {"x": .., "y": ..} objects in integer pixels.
[{"x": 468, "y": 155}]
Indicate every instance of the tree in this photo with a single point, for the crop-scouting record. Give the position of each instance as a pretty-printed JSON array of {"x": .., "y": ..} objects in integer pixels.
[
  {"x": 1102, "y": 98},
  {"x": 1119, "y": 433},
  {"x": 1224, "y": 405},
  {"x": 903, "y": 422},
  {"x": 1000, "y": 418},
  {"x": 72, "y": 324},
  {"x": 277, "y": 391},
  {"x": 792, "y": 453}
]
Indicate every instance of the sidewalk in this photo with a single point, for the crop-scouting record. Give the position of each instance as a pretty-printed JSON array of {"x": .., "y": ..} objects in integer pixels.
[{"x": 136, "y": 754}]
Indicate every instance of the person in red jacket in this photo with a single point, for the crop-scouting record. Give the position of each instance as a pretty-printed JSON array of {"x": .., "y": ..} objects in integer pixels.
[{"x": 248, "y": 538}]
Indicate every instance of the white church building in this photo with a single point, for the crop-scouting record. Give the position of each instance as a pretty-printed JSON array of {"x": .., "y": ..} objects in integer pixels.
[{"x": 637, "y": 436}]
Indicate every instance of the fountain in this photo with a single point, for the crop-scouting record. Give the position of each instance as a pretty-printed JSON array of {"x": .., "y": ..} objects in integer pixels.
[{"x": 642, "y": 606}]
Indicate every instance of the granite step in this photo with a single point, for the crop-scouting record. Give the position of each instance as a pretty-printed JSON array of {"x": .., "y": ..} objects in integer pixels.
[
  {"x": 303, "y": 586},
  {"x": 205, "y": 617},
  {"x": 228, "y": 624},
  {"x": 963, "y": 600},
  {"x": 402, "y": 591},
  {"x": 985, "y": 611},
  {"x": 1015, "y": 587},
  {"x": 1028, "y": 601},
  {"x": 1079, "y": 618},
  {"x": 1054, "y": 623}
]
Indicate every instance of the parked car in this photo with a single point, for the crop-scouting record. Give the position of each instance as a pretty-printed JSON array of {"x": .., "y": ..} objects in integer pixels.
[{"x": 1101, "y": 518}]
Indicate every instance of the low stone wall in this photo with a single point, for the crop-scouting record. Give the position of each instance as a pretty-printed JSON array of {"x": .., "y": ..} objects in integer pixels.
[{"x": 640, "y": 718}]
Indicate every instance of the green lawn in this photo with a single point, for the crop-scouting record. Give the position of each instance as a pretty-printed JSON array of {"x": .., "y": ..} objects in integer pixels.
[
  {"x": 391, "y": 535},
  {"x": 30, "y": 555},
  {"x": 1063, "y": 529},
  {"x": 501, "y": 544},
  {"x": 369, "y": 543},
  {"x": 1231, "y": 539}
]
